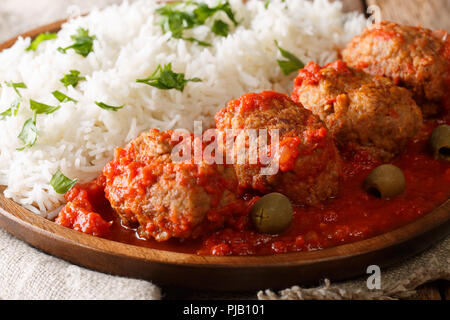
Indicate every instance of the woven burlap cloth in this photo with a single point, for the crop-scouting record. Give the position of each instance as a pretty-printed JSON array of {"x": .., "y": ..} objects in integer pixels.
[
  {"x": 26, "y": 273},
  {"x": 398, "y": 282}
]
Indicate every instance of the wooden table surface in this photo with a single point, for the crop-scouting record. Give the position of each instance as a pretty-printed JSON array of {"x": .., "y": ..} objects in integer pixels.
[{"x": 433, "y": 14}]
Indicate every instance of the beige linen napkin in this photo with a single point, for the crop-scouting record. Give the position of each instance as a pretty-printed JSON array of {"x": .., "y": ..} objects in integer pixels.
[{"x": 26, "y": 273}]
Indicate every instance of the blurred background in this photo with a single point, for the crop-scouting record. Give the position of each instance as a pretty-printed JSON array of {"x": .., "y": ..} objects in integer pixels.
[{"x": 17, "y": 16}]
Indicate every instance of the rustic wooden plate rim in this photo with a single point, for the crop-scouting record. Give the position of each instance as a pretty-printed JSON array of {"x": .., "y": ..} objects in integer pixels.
[{"x": 50, "y": 229}]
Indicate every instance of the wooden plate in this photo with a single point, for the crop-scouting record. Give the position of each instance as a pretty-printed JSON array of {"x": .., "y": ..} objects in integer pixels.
[{"x": 220, "y": 273}]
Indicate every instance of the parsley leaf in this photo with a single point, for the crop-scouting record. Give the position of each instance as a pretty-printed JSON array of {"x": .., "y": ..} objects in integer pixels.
[
  {"x": 199, "y": 42},
  {"x": 291, "y": 64},
  {"x": 83, "y": 43},
  {"x": 72, "y": 78},
  {"x": 41, "y": 108},
  {"x": 164, "y": 78},
  {"x": 107, "y": 107},
  {"x": 203, "y": 12},
  {"x": 220, "y": 28},
  {"x": 61, "y": 184},
  {"x": 176, "y": 20},
  {"x": 61, "y": 97},
  {"x": 14, "y": 108},
  {"x": 41, "y": 38},
  {"x": 28, "y": 135},
  {"x": 11, "y": 111},
  {"x": 16, "y": 86}
]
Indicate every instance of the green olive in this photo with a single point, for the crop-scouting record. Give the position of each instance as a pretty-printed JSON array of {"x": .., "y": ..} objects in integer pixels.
[
  {"x": 386, "y": 181},
  {"x": 272, "y": 214},
  {"x": 440, "y": 142}
]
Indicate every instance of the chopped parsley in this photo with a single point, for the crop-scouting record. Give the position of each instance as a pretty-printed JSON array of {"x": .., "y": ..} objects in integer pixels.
[
  {"x": 203, "y": 12},
  {"x": 41, "y": 108},
  {"x": 14, "y": 108},
  {"x": 107, "y": 107},
  {"x": 72, "y": 78},
  {"x": 61, "y": 184},
  {"x": 11, "y": 111},
  {"x": 28, "y": 135},
  {"x": 291, "y": 64},
  {"x": 83, "y": 43},
  {"x": 164, "y": 78},
  {"x": 41, "y": 38},
  {"x": 61, "y": 97},
  {"x": 220, "y": 28},
  {"x": 16, "y": 86},
  {"x": 178, "y": 17}
]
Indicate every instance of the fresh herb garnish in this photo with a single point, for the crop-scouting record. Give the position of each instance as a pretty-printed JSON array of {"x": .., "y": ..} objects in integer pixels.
[
  {"x": 177, "y": 20},
  {"x": 164, "y": 78},
  {"x": 199, "y": 42},
  {"x": 11, "y": 111},
  {"x": 83, "y": 43},
  {"x": 61, "y": 184},
  {"x": 14, "y": 108},
  {"x": 72, "y": 78},
  {"x": 291, "y": 64},
  {"x": 107, "y": 107},
  {"x": 41, "y": 108},
  {"x": 41, "y": 38},
  {"x": 203, "y": 12},
  {"x": 28, "y": 135},
  {"x": 220, "y": 28},
  {"x": 16, "y": 86},
  {"x": 61, "y": 97}
]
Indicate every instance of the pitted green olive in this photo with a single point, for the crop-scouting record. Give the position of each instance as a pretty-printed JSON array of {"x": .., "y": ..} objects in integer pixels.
[
  {"x": 440, "y": 142},
  {"x": 386, "y": 181},
  {"x": 272, "y": 214}
]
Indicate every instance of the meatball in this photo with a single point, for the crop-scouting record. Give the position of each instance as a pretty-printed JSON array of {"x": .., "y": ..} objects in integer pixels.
[
  {"x": 361, "y": 111},
  {"x": 166, "y": 198},
  {"x": 414, "y": 57},
  {"x": 307, "y": 160}
]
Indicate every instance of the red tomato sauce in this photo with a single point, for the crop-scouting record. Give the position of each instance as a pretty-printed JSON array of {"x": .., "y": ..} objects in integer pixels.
[
  {"x": 354, "y": 215},
  {"x": 309, "y": 75},
  {"x": 385, "y": 35}
]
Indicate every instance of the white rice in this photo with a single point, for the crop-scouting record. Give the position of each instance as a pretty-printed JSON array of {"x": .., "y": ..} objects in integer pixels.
[{"x": 79, "y": 139}]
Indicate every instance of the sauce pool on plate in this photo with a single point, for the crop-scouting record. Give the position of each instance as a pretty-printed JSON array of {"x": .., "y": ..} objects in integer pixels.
[{"x": 352, "y": 216}]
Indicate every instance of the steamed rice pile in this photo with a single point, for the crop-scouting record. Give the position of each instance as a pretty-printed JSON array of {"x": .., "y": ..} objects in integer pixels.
[{"x": 79, "y": 138}]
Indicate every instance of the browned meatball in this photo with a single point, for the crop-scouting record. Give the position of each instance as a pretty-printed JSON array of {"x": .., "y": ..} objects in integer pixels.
[
  {"x": 362, "y": 112},
  {"x": 309, "y": 165},
  {"x": 414, "y": 57},
  {"x": 165, "y": 198}
]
